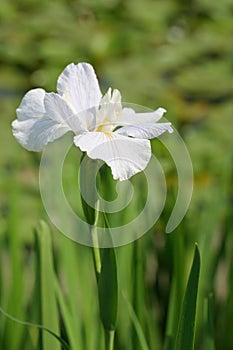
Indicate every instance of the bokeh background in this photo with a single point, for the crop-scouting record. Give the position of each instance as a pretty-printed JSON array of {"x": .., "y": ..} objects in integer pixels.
[{"x": 174, "y": 54}]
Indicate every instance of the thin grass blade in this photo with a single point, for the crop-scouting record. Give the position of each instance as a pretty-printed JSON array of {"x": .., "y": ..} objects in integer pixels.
[
  {"x": 186, "y": 327},
  {"x": 209, "y": 324},
  {"x": 137, "y": 326},
  {"x": 49, "y": 312}
]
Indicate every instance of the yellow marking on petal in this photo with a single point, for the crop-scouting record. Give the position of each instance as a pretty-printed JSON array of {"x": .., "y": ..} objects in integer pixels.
[
  {"x": 108, "y": 134},
  {"x": 99, "y": 129},
  {"x": 105, "y": 126}
]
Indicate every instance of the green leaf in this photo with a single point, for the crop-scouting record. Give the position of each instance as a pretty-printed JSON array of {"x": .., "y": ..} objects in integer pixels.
[
  {"x": 67, "y": 318},
  {"x": 32, "y": 327},
  {"x": 186, "y": 327},
  {"x": 137, "y": 326},
  {"x": 108, "y": 289},
  {"x": 15, "y": 295},
  {"x": 178, "y": 285},
  {"x": 209, "y": 324},
  {"x": 49, "y": 312},
  {"x": 138, "y": 276},
  {"x": 168, "y": 343}
]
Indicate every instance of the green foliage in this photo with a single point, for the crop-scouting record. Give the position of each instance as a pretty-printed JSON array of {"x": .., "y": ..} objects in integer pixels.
[
  {"x": 186, "y": 328},
  {"x": 140, "y": 340},
  {"x": 209, "y": 323},
  {"x": 173, "y": 54},
  {"x": 108, "y": 289},
  {"x": 48, "y": 306},
  {"x": 88, "y": 171}
]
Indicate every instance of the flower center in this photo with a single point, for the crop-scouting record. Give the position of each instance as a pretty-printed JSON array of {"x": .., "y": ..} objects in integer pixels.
[
  {"x": 100, "y": 128},
  {"x": 108, "y": 134},
  {"x": 106, "y": 128}
]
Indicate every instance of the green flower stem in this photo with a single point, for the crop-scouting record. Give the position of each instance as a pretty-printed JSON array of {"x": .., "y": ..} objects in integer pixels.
[
  {"x": 96, "y": 252},
  {"x": 109, "y": 339},
  {"x": 104, "y": 259},
  {"x": 95, "y": 248}
]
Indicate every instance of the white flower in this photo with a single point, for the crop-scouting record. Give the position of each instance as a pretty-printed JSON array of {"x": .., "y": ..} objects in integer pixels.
[{"x": 102, "y": 127}]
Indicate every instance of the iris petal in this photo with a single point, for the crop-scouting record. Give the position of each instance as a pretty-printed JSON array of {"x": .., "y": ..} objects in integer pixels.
[
  {"x": 109, "y": 110},
  {"x": 79, "y": 84},
  {"x": 34, "y": 128},
  {"x": 125, "y": 156},
  {"x": 129, "y": 117},
  {"x": 58, "y": 110},
  {"x": 145, "y": 131}
]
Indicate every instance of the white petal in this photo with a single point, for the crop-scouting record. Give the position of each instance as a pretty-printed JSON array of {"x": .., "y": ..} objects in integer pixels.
[
  {"x": 32, "y": 105},
  {"x": 116, "y": 96},
  {"x": 111, "y": 97},
  {"x": 129, "y": 117},
  {"x": 34, "y": 134},
  {"x": 57, "y": 109},
  {"x": 34, "y": 129},
  {"x": 145, "y": 131},
  {"x": 79, "y": 84},
  {"x": 110, "y": 108},
  {"x": 126, "y": 156}
]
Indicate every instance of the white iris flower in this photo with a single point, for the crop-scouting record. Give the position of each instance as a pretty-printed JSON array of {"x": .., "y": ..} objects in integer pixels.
[{"x": 102, "y": 127}]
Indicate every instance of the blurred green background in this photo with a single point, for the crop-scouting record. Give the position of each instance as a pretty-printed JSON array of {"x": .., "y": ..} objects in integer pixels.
[{"x": 174, "y": 54}]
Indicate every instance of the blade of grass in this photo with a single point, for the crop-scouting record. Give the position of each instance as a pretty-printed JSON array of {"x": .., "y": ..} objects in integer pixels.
[
  {"x": 68, "y": 320},
  {"x": 49, "y": 312},
  {"x": 15, "y": 296},
  {"x": 138, "y": 290},
  {"x": 137, "y": 326},
  {"x": 230, "y": 299},
  {"x": 186, "y": 327},
  {"x": 169, "y": 343},
  {"x": 76, "y": 274},
  {"x": 177, "y": 286},
  {"x": 36, "y": 327},
  {"x": 209, "y": 324},
  {"x": 210, "y": 224},
  {"x": 70, "y": 274}
]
